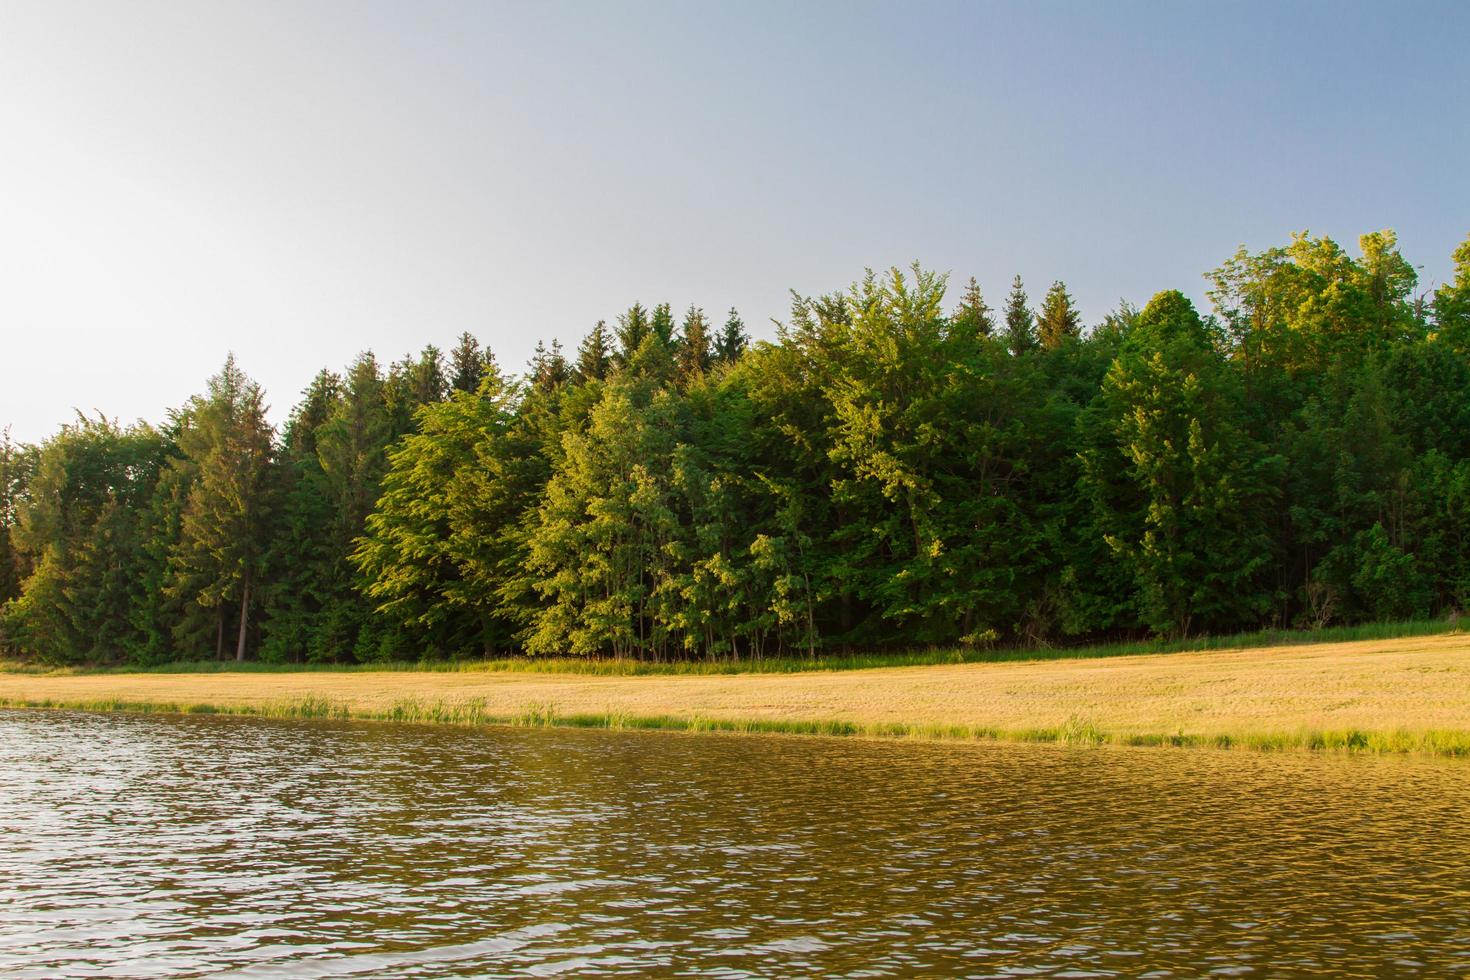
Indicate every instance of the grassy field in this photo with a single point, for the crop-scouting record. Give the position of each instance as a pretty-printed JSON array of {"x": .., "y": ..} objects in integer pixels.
[{"x": 1409, "y": 694}]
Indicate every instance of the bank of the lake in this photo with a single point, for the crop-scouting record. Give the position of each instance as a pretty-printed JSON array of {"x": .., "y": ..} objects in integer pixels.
[{"x": 1409, "y": 694}]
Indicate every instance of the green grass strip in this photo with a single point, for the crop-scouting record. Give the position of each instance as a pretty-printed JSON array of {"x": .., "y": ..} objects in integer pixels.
[{"x": 1076, "y": 732}]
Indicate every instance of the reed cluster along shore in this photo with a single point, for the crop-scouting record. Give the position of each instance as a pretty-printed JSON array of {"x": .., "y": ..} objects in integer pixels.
[
  {"x": 1076, "y": 732},
  {"x": 1406, "y": 695}
]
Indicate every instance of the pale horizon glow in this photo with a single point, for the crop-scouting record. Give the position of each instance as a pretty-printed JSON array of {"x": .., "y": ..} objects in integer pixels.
[{"x": 298, "y": 182}]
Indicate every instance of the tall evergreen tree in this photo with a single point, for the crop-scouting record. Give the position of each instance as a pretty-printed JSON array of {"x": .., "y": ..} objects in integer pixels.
[
  {"x": 662, "y": 324},
  {"x": 633, "y": 327},
  {"x": 973, "y": 315},
  {"x": 305, "y": 546},
  {"x": 1020, "y": 328},
  {"x": 467, "y": 363},
  {"x": 1058, "y": 321},
  {"x": 694, "y": 352},
  {"x": 732, "y": 339},
  {"x": 227, "y": 444},
  {"x": 428, "y": 380},
  {"x": 595, "y": 355},
  {"x": 549, "y": 367}
]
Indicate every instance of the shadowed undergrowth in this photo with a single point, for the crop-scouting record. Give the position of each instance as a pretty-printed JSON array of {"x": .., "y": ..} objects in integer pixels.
[{"x": 828, "y": 662}]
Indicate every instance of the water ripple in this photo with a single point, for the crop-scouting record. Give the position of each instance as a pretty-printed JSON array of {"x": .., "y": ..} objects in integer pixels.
[{"x": 147, "y": 846}]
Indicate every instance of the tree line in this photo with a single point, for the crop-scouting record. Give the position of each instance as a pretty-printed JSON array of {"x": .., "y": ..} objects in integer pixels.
[{"x": 889, "y": 470}]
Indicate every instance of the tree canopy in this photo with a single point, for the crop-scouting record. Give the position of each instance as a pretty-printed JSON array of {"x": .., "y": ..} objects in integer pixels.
[{"x": 891, "y": 468}]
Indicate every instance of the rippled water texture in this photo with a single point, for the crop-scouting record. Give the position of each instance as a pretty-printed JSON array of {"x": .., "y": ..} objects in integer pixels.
[{"x": 135, "y": 845}]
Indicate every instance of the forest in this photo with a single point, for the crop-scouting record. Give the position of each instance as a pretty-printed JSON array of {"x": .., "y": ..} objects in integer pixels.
[{"x": 896, "y": 468}]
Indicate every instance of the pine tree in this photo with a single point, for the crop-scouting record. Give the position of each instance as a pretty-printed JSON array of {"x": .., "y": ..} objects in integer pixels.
[
  {"x": 732, "y": 341},
  {"x": 595, "y": 355},
  {"x": 973, "y": 315},
  {"x": 694, "y": 354},
  {"x": 1020, "y": 332},
  {"x": 1058, "y": 321}
]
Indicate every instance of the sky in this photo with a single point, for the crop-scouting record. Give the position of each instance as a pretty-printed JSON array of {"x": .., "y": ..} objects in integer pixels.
[{"x": 298, "y": 182}]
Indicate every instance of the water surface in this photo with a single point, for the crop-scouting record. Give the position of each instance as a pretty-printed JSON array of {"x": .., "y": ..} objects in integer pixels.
[{"x": 147, "y": 846}]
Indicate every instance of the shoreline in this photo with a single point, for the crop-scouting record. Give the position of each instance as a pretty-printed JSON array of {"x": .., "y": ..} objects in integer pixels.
[
  {"x": 1405, "y": 696},
  {"x": 1452, "y": 743}
]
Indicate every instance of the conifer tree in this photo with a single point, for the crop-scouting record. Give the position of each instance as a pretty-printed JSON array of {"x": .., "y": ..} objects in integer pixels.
[
  {"x": 1020, "y": 331},
  {"x": 1058, "y": 321},
  {"x": 227, "y": 444},
  {"x": 428, "y": 380},
  {"x": 633, "y": 326},
  {"x": 694, "y": 355},
  {"x": 662, "y": 325},
  {"x": 732, "y": 340},
  {"x": 549, "y": 367},
  {"x": 305, "y": 547},
  {"x": 467, "y": 364},
  {"x": 973, "y": 315},
  {"x": 595, "y": 355}
]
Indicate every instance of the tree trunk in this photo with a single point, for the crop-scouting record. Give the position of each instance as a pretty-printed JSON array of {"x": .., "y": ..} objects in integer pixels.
[
  {"x": 219, "y": 632},
  {"x": 244, "y": 618}
]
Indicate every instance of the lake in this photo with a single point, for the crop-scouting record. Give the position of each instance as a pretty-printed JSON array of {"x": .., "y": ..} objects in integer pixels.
[{"x": 189, "y": 846}]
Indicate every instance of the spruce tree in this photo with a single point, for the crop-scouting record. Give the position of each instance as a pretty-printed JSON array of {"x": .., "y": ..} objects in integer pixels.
[
  {"x": 732, "y": 340},
  {"x": 1020, "y": 330},
  {"x": 428, "y": 379},
  {"x": 549, "y": 367},
  {"x": 467, "y": 364},
  {"x": 1058, "y": 321},
  {"x": 227, "y": 444},
  {"x": 595, "y": 355},
  {"x": 694, "y": 344},
  {"x": 632, "y": 328},
  {"x": 662, "y": 324},
  {"x": 973, "y": 315}
]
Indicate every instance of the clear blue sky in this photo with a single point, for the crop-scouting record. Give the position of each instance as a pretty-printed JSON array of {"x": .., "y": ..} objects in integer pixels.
[{"x": 300, "y": 181}]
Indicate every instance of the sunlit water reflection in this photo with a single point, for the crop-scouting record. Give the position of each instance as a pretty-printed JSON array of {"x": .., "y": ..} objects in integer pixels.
[{"x": 146, "y": 846}]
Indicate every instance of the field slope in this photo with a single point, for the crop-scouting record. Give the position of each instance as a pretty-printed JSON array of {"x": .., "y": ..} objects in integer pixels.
[{"x": 1410, "y": 694}]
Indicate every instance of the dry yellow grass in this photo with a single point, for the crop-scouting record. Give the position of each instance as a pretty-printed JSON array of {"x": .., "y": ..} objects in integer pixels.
[{"x": 1408, "y": 686}]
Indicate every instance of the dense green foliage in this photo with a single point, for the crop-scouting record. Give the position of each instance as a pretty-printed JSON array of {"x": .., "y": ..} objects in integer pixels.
[{"x": 886, "y": 472}]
